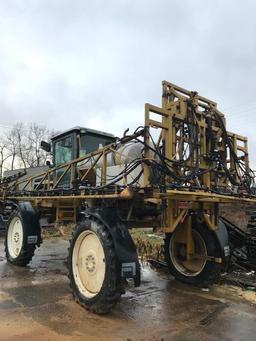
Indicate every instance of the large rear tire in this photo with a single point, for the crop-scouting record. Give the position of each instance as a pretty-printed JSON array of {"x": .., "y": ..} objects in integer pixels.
[
  {"x": 92, "y": 265},
  {"x": 200, "y": 269},
  {"x": 21, "y": 239}
]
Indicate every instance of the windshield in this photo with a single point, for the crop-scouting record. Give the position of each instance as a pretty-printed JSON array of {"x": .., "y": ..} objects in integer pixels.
[
  {"x": 63, "y": 150},
  {"x": 91, "y": 142}
]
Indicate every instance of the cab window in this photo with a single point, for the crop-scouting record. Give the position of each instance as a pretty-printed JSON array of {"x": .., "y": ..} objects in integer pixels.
[
  {"x": 63, "y": 150},
  {"x": 92, "y": 142}
]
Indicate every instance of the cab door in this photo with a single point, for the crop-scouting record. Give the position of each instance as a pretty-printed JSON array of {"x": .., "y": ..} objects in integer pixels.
[{"x": 63, "y": 152}]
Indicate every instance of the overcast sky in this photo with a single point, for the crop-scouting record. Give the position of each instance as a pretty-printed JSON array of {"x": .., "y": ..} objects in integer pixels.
[{"x": 95, "y": 63}]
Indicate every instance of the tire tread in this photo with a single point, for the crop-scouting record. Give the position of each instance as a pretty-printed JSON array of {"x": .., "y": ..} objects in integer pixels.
[{"x": 110, "y": 294}]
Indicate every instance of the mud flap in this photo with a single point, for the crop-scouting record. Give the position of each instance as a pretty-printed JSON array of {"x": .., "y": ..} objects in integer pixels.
[
  {"x": 223, "y": 240},
  {"x": 31, "y": 220},
  {"x": 125, "y": 248},
  {"x": 2, "y": 222}
]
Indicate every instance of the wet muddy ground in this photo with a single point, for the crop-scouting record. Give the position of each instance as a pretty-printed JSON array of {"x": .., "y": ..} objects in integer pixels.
[{"x": 36, "y": 304}]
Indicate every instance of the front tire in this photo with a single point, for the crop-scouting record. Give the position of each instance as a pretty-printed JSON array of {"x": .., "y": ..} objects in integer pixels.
[
  {"x": 21, "y": 239},
  {"x": 92, "y": 265},
  {"x": 200, "y": 269}
]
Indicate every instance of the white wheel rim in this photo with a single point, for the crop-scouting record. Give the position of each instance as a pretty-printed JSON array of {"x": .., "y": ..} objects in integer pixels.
[
  {"x": 15, "y": 237},
  {"x": 88, "y": 262},
  {"x": 196, "y": 264}
]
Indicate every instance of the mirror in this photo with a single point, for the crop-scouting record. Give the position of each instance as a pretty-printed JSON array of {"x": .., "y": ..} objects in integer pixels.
[{"x": 45, "y": 146}]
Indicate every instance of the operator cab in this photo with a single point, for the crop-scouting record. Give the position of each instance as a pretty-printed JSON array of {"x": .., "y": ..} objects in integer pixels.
[
  {"x": 76, "y": 142},
  {"x": 70, "y": 145}
]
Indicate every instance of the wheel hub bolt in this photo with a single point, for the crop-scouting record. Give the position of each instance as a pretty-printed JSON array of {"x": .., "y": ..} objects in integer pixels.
[
  {"x": 90, "y": 263},
  {"x": 16, "y": 237}
]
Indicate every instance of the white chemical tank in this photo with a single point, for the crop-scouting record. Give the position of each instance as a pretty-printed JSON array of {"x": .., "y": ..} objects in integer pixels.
[{"x": 123, "y": 155}]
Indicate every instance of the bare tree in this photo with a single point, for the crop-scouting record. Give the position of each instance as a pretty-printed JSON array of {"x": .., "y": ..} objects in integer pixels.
[
  {"x": 4, "y": 155},
  {"x": 19, "y": 133},
  {"x": 12, "y": 146},
  {"x": 33, "y": 155},
  {"x": 23, "y": 144}
]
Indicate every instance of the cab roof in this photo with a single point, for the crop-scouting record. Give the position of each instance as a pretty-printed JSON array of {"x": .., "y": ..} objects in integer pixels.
[{"x": 81, "y": 130}]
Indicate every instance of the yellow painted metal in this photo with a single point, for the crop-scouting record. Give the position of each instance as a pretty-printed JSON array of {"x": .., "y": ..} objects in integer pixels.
[
  {"x": 203, "y": 196},
  {"x": 176, "y": 104}
]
